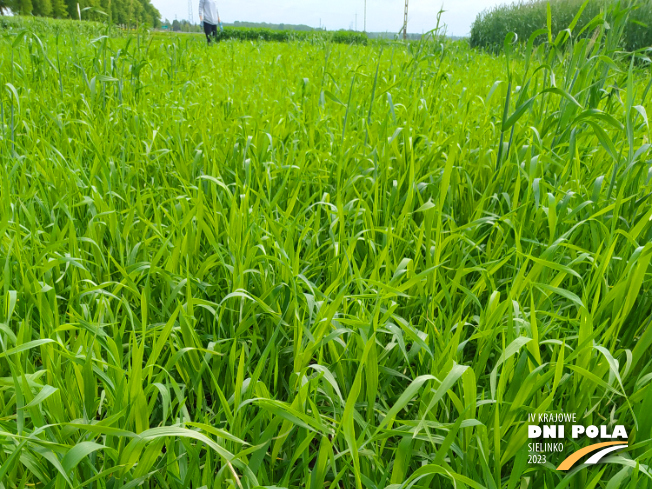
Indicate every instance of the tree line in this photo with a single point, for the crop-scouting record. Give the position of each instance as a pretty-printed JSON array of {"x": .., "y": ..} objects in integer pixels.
[{"x": 127, "y": 12}]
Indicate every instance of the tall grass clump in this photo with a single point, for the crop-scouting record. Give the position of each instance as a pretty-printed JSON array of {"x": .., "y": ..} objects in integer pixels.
[
  {"x": 638, "y": 34},
  {"x": 527, "y": 16},
  {"x": 320, "y": 265}
]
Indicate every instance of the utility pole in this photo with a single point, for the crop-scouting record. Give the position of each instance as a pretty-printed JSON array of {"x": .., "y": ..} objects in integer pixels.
[
  {"x": 190, "y": 15},
  {"x": 405, "y": 17},
  {"x": 356, "y": 21},
  {"x": 365, "y": 15}
]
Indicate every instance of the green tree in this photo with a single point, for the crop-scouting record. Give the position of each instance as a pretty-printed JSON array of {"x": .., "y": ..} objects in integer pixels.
[
  {"x": 153, "y": 15},
  {"x": 22, "y": 7},
  {"x": 130, "y": 12},
  {"x": 59, "y": 9},
  {"x": 72, "y": 8},
  {"x": 119, "y": 12},
  {"x": 42, "y": 8}
]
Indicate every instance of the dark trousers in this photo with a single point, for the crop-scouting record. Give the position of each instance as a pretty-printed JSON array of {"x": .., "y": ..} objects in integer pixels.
[{"x": 210, "y": 30}]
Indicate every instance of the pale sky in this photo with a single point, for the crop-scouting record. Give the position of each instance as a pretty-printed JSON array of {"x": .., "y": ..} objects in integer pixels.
[{"x": 382, "y": 15}]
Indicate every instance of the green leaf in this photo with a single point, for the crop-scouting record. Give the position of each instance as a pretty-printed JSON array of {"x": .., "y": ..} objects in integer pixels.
[
  {"x": 25, "y": 346},
  {"x": 43, "y": 394},
  {"x": 513, "y": 348},
  {"x": 332, "y": 97},
  {"x": 77, "y": 453}
]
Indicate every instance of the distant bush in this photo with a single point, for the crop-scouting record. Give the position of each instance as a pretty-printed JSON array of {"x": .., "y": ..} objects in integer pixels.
[
  {"x": 525, "y": 17},
  {"x": 245, "y": 34},
  {"x": 348, "y": 37}
]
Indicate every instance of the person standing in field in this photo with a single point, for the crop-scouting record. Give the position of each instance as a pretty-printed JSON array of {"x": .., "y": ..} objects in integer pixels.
[{"x": 209, "y": 16}]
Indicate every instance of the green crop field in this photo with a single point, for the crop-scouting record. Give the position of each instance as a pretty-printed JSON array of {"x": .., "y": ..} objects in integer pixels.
[
  {"x": 320, "y": 265},
  {"x": 524, "y": 17}
]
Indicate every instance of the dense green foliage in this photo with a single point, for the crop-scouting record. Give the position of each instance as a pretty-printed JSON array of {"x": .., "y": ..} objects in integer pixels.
[
  {"x": 319, "y": 265},
  {"x": 181, "y": 26},
  {"x": 127, "y": 12},
  {"x": 260, "y": 34},
  {"x": 47, "y": 27},
  {"x": 302, "y": 27},
  {"x": 525, "y": 17}
]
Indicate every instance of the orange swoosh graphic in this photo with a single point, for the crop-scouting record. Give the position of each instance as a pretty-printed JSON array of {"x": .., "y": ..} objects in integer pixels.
[{"x": 574, "y": 457}]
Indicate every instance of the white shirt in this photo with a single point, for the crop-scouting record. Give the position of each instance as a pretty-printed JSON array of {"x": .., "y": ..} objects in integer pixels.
[{"x": 208, "y": 11}]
